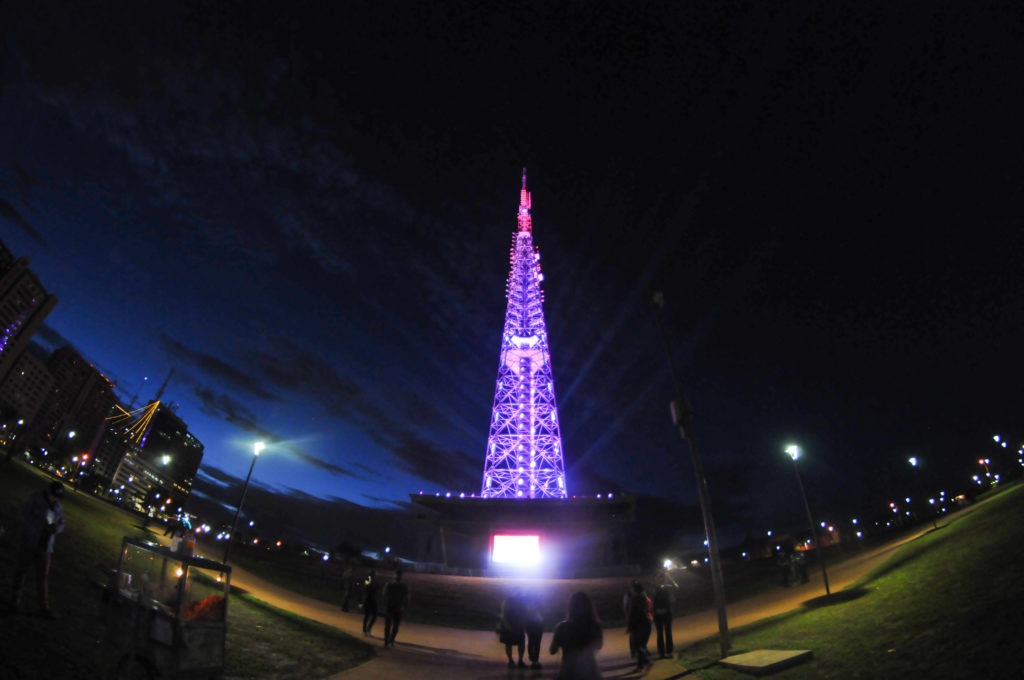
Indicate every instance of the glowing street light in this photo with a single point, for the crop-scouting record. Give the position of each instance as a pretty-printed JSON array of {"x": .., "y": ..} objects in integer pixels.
[
  {"x": 256, "y": 448},
  {"x": 794, "y": 452}
]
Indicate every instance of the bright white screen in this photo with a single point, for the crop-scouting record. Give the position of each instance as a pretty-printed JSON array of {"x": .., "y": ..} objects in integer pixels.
[{"x": 516, "y": 549}]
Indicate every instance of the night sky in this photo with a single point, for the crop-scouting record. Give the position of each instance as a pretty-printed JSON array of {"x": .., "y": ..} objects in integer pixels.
[{"x": 306, "y": 209}]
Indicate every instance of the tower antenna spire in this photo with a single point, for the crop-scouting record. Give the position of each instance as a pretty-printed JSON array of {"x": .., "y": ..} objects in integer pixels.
[
  {"x": 525, "y": 205},
  {"x": 524, "y": 448}
]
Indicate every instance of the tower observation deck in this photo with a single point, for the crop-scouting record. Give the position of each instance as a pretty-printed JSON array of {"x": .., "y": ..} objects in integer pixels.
[{"x": 524, "y": 447}]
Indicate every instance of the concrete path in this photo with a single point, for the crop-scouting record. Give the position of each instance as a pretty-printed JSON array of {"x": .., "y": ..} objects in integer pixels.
[{"x": 427, "y": 652}]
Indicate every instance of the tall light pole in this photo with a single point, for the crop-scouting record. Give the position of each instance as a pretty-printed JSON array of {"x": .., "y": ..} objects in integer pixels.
[
  {"x": 914, "y": 462},
  {"x": 256, "y": 448},
  {"x": 794, "y": 452},
  {"x": 682, "y": 418}
]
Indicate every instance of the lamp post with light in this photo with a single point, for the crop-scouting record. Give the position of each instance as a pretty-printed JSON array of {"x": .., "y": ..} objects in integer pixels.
[
  {"x": 682, "y": 418},
  {"x": 794, "y": 452},
  {"x": 256, "y": 448},
  {"x": 914, "y": 463}
]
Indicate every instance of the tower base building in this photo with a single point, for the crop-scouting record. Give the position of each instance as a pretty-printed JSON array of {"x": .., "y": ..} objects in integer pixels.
[{"x": 548, "y": 537}]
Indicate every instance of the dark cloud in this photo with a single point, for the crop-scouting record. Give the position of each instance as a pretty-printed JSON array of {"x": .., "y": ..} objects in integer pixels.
[
  {"x": 290, "y": 367},
  {"x": 216, "y": 475},
  {"x": 433, "y": 462},
  {"x": 9, "y": 213},
  {"x": 225, "y": 407},
  {"x": 321, "y": 464},
  {"x": 215, "y": 367}
]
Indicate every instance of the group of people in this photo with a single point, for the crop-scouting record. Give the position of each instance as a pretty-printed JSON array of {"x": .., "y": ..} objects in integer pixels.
[
  {"x": 521, "y": 625},
  {"x": 579, "y": 636},
  {"x": 393, "y": 596},
  {"x": 643, "y": 613},
  {"x": 42, "y": 518},
  {"x": 792, "y": 567}
]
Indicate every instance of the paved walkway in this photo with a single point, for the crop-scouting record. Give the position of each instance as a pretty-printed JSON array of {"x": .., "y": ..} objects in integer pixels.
[{"x": 427, "y": 652}]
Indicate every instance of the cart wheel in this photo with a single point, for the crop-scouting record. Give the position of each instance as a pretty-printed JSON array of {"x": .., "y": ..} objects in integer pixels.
[{"x": 131, "y": 667}]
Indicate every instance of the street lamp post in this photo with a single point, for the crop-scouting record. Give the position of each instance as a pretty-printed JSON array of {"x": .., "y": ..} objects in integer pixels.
[
  {"x": 914, "y": 462},
  {"x": 794, "y": 452},
  {"x": 256, "y": 448},
  {"x": 682, "y": 418}
]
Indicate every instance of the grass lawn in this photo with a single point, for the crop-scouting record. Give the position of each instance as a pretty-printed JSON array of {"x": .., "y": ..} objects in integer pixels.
[
  {"x": 948, "y": 605},
  {"x": 262, "y": 642}
]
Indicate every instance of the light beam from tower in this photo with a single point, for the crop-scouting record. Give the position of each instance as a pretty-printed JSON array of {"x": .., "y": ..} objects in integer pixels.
[{"x": 524, "y": 447}]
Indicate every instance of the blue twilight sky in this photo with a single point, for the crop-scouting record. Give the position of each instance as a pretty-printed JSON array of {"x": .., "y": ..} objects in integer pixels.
[{"x": 305, "y": 210}]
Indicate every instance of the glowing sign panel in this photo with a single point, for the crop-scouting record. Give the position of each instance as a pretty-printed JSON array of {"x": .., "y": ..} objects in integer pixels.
[{"x": 515, "y": 549}]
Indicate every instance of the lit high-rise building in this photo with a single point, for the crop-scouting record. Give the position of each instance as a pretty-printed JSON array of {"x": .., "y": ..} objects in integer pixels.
[
  {"x": 24, "y": 303},
  {"x": 524, "y": 448}
]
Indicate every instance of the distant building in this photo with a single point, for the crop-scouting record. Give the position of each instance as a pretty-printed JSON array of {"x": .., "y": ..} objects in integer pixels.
[
  {"x": 155, "y": 470},
  {"x": 113, "y": 447},
  {"x": 25, "y": 388},
  {"x": 73, "y": 417},
  {"x": 24, "y": 304},
  {"x": 171, "y": 448}
]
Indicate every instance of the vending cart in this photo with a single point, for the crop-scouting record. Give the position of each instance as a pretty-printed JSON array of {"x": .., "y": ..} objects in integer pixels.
[{"x": 166, "y": 613}]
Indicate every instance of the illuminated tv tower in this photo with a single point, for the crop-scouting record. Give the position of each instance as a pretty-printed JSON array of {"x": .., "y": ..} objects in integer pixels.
[{"x": 524, "y": 448}]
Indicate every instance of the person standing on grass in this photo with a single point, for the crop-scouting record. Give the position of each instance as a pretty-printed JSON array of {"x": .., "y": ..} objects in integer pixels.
[
  {"x": 638, "y": 624},
  {"x": 42, "y": 519},
  {"x": 396, "y": 597},
  {"x": 371, "y": 593},
  {"x": 578, "y": 636},
  {"x": 664, "y": 598}
]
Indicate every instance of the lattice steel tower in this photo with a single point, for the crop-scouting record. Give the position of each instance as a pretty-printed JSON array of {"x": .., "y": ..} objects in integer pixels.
[{"x": 524, "y": 449}]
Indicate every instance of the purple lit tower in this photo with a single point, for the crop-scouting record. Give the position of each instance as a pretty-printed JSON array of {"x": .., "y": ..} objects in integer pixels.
[{"x": 524, "y": 448}]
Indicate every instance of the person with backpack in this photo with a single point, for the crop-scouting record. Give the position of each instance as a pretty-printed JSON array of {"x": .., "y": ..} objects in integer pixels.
[{"x": 639, "y": 616}]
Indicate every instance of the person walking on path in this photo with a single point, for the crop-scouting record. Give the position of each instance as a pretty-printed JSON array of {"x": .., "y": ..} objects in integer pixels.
[
  {"x": 534, "y": 623},
  {"x": 370, "y": 596},
  {"x": 396, "y": 597},
  {"x": 626, "y": 596},
  {"x": 664, "y": 598},
  {"x": 512, "y": 627},
  {"x": 578, "y": 636},
  {"x": 346, "y": 587},
  {"x": 42, "y": 519},
  {"x": 638, "y": 624}
]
